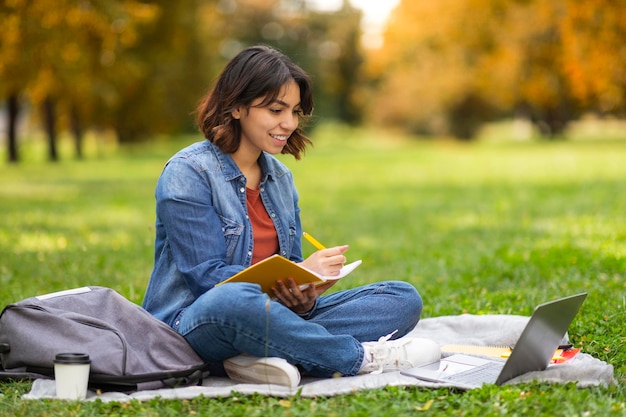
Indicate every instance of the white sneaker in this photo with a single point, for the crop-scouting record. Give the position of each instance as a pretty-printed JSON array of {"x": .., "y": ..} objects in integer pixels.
[
  {"x": 253, "y": 370},
  {"x": 395, "y": 355}
]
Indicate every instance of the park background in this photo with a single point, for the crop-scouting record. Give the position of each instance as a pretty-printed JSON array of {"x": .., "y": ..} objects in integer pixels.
[
  {"x": 474, "y": 148},
  {"x": 129, "y": 70}
]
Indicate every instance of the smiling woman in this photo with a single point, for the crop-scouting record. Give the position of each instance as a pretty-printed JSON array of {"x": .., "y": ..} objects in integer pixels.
[
  {"x": 235, "y": 94},
  {"x": 226, "y": 203},
  {"x": 266, "y": 127}
]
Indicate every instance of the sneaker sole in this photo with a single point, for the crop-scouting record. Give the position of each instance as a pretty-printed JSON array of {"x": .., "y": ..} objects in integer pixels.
[{"x": 262, "y": 371}]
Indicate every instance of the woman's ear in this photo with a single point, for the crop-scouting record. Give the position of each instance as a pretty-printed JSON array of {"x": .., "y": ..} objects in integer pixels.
[{"x": 236, "y": 112}]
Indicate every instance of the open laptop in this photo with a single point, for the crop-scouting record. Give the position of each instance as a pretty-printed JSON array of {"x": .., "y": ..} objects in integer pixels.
[{"x": 533, "y": 351}]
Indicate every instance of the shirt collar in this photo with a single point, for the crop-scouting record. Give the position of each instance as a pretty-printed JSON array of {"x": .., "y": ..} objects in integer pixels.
[{"x": 269, "y": 169}]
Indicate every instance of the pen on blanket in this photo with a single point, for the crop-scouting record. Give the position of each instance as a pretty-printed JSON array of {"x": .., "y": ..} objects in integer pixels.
[{"x": 313, "y": 241}]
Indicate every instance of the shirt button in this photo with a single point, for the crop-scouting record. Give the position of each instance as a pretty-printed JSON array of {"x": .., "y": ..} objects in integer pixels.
[
  {"x": 273, "y": 214},
  {"x": 242, "y": 189},
  {"x": 249, "y": 253},
  {"x": 177, "y": 322}
]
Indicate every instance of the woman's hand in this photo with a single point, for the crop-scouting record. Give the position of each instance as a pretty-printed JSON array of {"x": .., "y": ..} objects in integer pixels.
[
  {"x": 324, "y": 262},
  {"x": 300, "y": 301}
]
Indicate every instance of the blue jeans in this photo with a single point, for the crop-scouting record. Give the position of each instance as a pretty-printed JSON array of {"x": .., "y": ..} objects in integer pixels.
[{"x": 238, "y": 318}]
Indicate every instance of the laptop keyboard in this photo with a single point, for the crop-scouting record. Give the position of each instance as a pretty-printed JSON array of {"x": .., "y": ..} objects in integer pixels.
[{"x": 487, "y": 373}]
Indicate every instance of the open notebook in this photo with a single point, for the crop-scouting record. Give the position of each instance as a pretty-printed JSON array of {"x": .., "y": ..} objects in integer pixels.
[
  {"x": 533, "y": 351},
  {"x": 269, "y": 270}
]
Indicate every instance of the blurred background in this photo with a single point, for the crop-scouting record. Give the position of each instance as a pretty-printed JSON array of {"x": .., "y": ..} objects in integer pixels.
[{"x": 127, "y": 71}]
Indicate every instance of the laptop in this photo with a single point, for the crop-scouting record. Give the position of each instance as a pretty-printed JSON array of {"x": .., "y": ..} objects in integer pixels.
[{"x": 533, "y": 351}]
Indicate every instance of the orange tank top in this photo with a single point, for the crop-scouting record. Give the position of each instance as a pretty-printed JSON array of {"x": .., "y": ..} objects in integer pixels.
[{"x": 263, "y": 231}]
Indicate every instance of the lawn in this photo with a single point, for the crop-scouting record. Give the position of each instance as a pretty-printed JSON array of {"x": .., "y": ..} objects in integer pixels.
[{"x": 477, "y": 228}]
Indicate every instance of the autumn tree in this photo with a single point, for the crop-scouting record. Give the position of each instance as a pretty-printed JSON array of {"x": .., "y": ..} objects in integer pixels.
[
  {"x": 15, "y": 71},
  {"x": 447, "y": 66},
  {"x": 421, "y": 72},
  {"x": 56, "y": 53},
  {"x": 138, "y": 67},
  {"x": 593, "y": 53},
  {"x": 158, "y": 80}
]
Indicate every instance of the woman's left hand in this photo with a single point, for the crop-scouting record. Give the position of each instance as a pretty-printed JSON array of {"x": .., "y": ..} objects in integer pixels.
[{"x": 300, "y": 301}]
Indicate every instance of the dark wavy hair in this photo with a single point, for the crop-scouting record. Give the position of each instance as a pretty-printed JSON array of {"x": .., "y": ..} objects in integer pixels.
[{"x": 256, "y": 72}]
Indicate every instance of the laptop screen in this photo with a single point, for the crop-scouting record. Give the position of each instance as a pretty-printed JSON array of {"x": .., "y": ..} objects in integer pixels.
[{"x": 541, "y": 337}]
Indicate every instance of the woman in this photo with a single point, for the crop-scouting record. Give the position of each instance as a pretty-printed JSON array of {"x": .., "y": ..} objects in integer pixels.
[{"x": 226, "y": 203}]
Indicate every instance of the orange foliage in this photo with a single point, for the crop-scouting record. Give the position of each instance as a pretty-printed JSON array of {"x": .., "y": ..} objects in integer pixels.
[
  {"x": 546, "y": 54},
  {"x": 594, "y": 51},
  {"x": 47, "y": 44}
]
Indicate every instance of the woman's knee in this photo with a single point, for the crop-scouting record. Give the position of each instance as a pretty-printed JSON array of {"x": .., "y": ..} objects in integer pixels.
[
  {"x": 407, "y": 294},
  {"x": 225, "y": 302},
  {"x": 410, "y": 302}
]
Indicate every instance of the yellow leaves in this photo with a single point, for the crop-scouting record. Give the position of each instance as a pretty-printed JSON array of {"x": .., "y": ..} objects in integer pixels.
[
  {"x": 52, "y": 19},
  {"x": 11, "y": 34},
  {"x": 71, "y": 52},
  {"x": 123, "y": 28},
  {"x": 76, "y": 16},
  {"x": 284, "y": 403},
  {"x": 426, "y": 406},
  {"x": 45, "y": 83},
  {"x": 15, "y": 4},
  {"x": 142, "y": 12},
  {"x": 534, "y": 52},
  {"x": 128, "y": 38},
  {"x": 593, "y": 34}
]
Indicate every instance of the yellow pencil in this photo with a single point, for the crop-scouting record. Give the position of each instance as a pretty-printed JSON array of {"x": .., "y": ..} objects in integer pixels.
[{"x": 313, "y": 241}]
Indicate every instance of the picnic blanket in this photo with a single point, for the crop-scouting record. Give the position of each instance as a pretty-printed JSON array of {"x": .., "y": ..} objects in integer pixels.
[{"x": 583, "y": 369}]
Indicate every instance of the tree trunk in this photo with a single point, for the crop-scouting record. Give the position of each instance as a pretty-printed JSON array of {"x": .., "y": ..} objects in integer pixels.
[
  {"x": 77, "y": 131},
  {"x": 50, "y": 126},
  {"x": 13, "y": 111}
]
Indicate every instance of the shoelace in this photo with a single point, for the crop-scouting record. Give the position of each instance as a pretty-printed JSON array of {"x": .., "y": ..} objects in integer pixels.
[{"x": 383, "y": 353}]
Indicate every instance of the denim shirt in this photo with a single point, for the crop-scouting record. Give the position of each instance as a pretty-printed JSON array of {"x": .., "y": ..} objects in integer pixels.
[{"x": 203, "y": 233}]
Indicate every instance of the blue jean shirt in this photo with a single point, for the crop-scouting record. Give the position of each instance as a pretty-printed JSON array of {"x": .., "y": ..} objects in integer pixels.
[{"x": 203, "y": 232}]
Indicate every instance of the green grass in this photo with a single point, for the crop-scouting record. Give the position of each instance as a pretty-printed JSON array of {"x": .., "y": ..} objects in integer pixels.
[{"x": 477, "y": 228}]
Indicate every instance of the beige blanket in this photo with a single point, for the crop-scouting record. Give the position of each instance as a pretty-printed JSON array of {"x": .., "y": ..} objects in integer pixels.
[{"x": 466, "y": 329}]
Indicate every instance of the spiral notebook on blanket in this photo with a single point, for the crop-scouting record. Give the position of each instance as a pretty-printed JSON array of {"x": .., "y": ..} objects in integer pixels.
[{"x": 533, "y": 351}]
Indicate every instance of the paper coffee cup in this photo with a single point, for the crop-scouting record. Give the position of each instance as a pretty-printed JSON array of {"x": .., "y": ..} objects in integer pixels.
[{"x": 71, "y": 375}]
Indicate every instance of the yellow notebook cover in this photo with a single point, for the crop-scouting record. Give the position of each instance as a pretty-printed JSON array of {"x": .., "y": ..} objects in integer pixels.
[
  {"x": 560, "y": 355},
  {"x": 276, "y": 267},
  {"x": 493, "y": 351}
]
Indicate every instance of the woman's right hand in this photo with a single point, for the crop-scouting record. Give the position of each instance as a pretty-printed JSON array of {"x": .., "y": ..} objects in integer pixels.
[{"x": 327, "y": 261}]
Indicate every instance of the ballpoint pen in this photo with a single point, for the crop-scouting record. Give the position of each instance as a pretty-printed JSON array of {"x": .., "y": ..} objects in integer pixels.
[{"x": 313, "y": 241}]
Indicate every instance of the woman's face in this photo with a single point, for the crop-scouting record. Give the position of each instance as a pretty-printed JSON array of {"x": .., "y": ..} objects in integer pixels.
[{"x": 268, "y": 128}]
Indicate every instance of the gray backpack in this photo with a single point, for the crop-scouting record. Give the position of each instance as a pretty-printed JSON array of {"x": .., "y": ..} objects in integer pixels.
[{"x": 128, "y": 347}]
